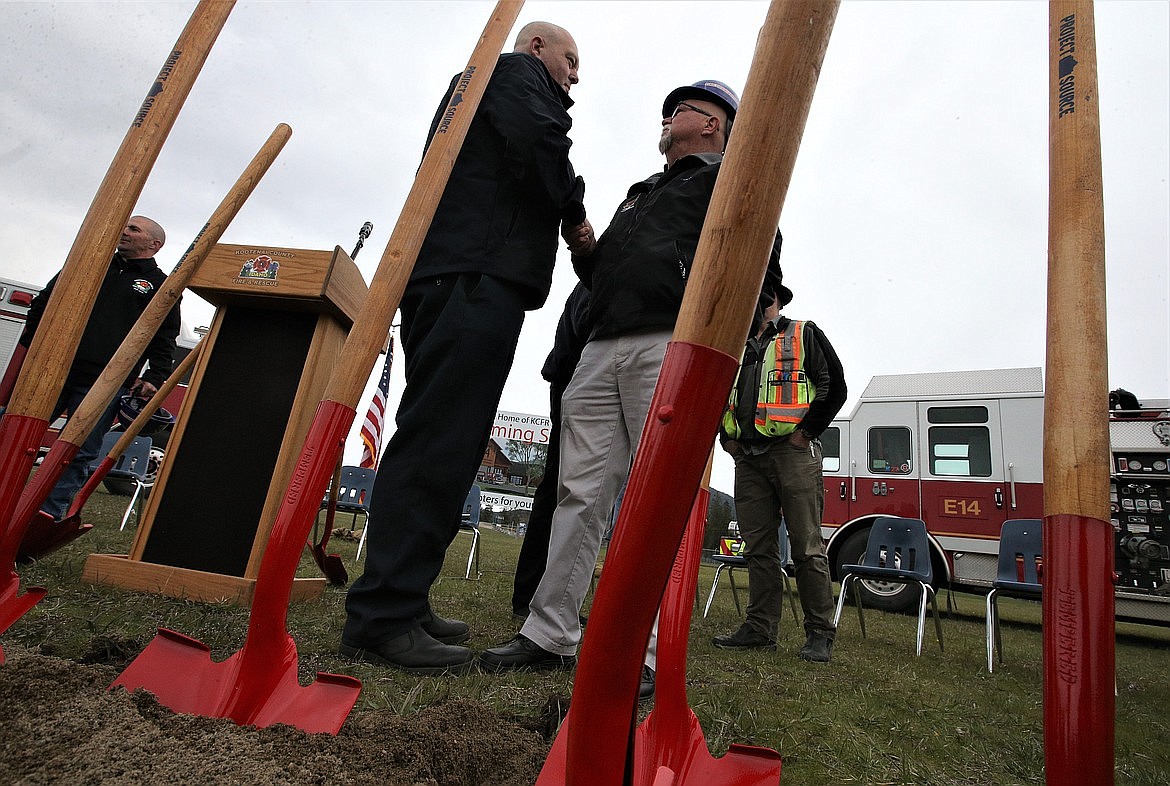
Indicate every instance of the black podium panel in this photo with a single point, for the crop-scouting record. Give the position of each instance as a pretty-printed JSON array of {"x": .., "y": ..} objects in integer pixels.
[{"x": 208, "y": 516}]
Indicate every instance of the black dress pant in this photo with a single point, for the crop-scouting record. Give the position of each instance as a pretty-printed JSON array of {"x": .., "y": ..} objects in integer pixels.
[
  {"x": 534, "y": 550},
  {"x": 459, "y": 335}
]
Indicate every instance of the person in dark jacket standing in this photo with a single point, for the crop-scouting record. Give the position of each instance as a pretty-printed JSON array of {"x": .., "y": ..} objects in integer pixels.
[
  {"x": 637, "y": 275},
  {"x": 572, "y": 332},
  {"x": 131, "y": 281},
  {"x": 487, "y": 258},
  {"x": 790, "y": 387}
]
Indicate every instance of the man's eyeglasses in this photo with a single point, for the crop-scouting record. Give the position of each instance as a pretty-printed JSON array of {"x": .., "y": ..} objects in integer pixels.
[{"x": 683, "y": 106}]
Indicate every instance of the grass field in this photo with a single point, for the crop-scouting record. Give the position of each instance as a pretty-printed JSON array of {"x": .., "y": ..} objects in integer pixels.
[{"x": 875, "y": 715}]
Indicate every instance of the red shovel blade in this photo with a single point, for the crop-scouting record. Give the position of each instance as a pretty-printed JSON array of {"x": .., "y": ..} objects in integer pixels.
[
  {"x": 14, "y": 606},
  {"x": 209, "y": 688},
  {"x": 330, "y": 564},
  {"x": 258, "y": 685},
  {"x": 45, "y": 535}
]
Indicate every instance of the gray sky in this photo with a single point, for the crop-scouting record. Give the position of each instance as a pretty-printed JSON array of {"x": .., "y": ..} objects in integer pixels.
[{"x": 915, "y": 225}]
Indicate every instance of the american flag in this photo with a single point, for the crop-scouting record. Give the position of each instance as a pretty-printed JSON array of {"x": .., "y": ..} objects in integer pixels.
[{"x": 376, "y": 416}]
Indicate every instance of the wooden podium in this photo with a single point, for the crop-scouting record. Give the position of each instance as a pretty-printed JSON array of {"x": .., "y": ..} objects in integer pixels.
[{"x": 282, "y": 315}]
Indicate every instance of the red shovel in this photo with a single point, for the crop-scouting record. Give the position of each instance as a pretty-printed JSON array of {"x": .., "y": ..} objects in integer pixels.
[
  {"x": 330, "y": 564},
  {"x": 27, "y": 417},
  {"x": 601, "y": 741},
  {"x": 44, "y": 535},
  {"x": 94, "y": 405},
  {"x": 258, "y": 684},
  {"x": 671, "y": 739}
]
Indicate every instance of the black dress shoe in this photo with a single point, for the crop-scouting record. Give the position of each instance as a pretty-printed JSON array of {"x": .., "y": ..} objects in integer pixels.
[
  {"x": 746, "y": 638},
  {"x": 646, "y": 686},
  {"x": 523, "y": 653},
  {"x": 414, "y": 652},
  {"x": 444, "y": 630}
]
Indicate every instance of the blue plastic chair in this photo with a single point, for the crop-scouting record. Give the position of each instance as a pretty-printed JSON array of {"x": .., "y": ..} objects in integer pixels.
[
  {"x": 1020, "y": 556},
  {"x": 729, "y": 563},
  {"x": 132, "y": 465},
  {"x": 354, "y": 493},
  {"x": 898, "y": 551}
]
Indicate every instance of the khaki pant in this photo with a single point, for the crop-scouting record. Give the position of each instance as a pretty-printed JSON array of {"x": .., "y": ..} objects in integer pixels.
[
  {"x": 787, "y": 480},
  {"x": 603, "y": 412}
]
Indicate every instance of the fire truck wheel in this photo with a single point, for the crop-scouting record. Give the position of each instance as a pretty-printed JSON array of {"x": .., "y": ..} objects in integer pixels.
[
  {"x": 882, "y": 595},
  {"x": 125, "y": 488}
]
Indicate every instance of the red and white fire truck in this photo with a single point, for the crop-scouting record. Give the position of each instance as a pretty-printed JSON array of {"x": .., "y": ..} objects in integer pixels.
[{"x": 963, "y": 452}]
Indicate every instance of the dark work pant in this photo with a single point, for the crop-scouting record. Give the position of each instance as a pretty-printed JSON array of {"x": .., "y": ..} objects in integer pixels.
[
  {"x": 534, "y": 551},
  {"x": 459, "y": 335},
  {"x": 75, "y": 474}
]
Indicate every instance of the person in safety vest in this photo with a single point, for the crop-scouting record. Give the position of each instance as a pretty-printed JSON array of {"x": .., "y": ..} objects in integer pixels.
[
  {"x": 637, "y": 275},
  {"x": 790, "y": 387}
]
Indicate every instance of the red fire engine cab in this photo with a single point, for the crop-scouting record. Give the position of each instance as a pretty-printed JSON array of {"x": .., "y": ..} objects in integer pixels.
[{"x": 963, "y": 452}]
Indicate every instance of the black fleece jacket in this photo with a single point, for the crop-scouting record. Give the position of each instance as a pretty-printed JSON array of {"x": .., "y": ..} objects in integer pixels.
[
  {"x": 638, "y": 272},
  {"x": 512, "y": 184},
  {"x": 128, "y": 286}
]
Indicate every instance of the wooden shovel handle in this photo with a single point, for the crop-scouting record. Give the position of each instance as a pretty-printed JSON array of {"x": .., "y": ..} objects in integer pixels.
[
  {"x": 156, "y": 401},
  {"x": 91, "y": 408},
  {"x": 1076, "y": 431},
  {"x": 372, "y": 325},
  {"x": 52, "y": 349},
  {"x": 745, "y": 207}
]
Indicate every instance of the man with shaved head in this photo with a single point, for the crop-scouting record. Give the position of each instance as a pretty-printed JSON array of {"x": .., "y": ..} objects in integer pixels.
[
  {"x": 487, "y": 258},
  {"x": 131, "y": 281}
]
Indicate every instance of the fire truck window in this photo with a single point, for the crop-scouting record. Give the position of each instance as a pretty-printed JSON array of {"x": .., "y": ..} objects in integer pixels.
[
  {"x": 831, "y": 444},
  {"x": 956, "y": 415},
  {"x": 889, "y": 450},
  {"x": 960, "y": 450}
]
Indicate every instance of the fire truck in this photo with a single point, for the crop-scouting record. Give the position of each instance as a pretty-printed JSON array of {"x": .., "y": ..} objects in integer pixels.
[{"x": 963, "y": 452}]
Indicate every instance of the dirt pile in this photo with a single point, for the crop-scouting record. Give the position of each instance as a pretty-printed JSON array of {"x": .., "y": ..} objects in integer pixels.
[{"x": 59, "y": 724}]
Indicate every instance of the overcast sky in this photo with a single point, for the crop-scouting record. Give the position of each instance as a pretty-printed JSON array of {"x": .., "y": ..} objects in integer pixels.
[{"x": 915, "y": 226}]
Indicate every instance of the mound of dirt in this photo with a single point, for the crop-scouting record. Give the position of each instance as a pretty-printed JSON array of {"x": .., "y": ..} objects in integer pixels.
[{"x": 59, "y": 724}]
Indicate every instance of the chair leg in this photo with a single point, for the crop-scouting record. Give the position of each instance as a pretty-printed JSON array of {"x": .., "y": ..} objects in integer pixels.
[
  {"x": 138, "y": 486},
  {"x": 473, "y": 555},
  {"x": 992, "y": 629},
  {"x": 841, "y": 600},
  {"x": 860, "y": 608},
  {"x": 921, "y": 617},
  {"x": 734, "y": 590},
  {"x": 791, "y": 595},
  {"x": 714, "y": 585},
  {"x": 362, "y": 540},
  {"x": 937, "y": 621}
]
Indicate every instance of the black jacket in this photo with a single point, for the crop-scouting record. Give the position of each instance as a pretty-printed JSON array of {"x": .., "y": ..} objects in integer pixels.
[
  {"x": 638, "y": 272},
  {"x": 571, "y": 336},
  {"x": 128, "y": 286},
  {"x": 512, "y": 184}
]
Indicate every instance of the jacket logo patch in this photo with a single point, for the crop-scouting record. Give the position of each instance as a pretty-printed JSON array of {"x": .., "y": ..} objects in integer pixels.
[
  {"x": 262, "y": 266},
  {"x": 142, "y": 286},
  {"x": 628, "y": 204}
]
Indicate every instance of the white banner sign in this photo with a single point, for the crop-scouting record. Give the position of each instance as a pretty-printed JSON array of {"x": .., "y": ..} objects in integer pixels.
[
  {"x": 494, "y": 499},
  {"x": 521, "y": 427}
]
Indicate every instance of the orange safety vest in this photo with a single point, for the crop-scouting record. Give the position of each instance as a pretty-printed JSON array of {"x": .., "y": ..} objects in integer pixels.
[{"x": 784, "y": 392}]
